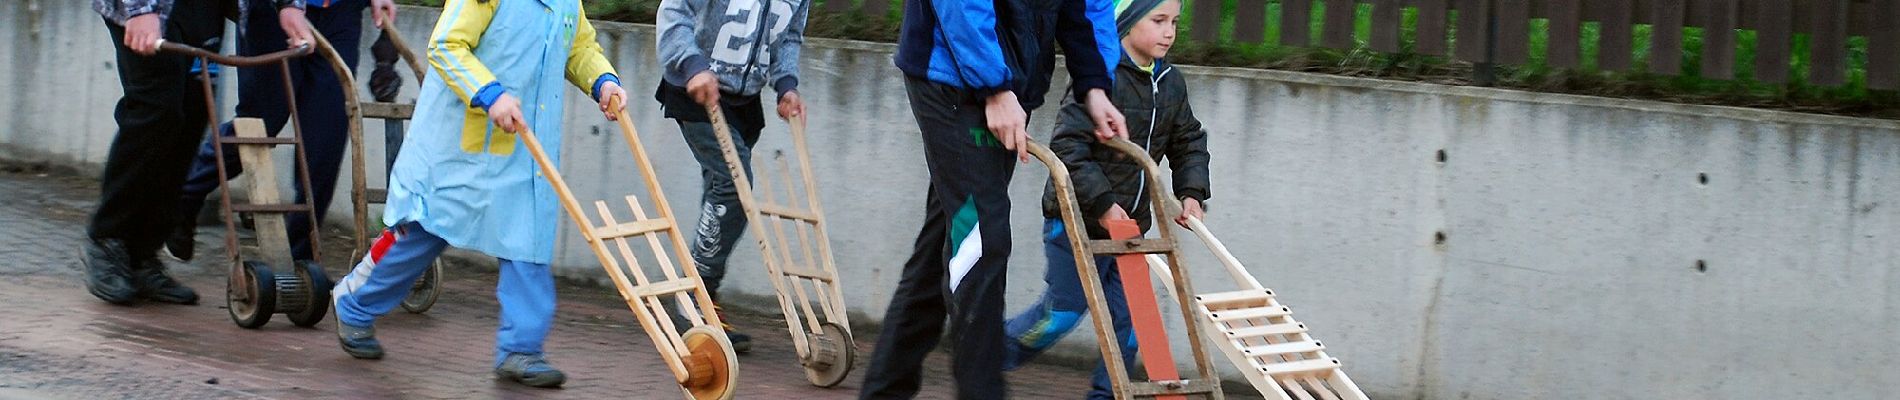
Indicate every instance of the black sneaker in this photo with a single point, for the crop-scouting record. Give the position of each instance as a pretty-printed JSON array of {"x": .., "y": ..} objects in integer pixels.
[
  {"x": 740, "y": 342},
  {"x": 153, "y": 284},
  {"x": 108, "y": 272}
]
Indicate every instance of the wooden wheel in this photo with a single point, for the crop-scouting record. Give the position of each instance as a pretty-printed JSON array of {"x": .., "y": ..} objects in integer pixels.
[
  {"x": 713, "y": 368},
  {"x": 832, "y": 356}
]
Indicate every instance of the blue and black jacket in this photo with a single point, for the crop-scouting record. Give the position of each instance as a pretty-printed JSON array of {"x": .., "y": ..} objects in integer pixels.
[{"x": 987, "y": 46}]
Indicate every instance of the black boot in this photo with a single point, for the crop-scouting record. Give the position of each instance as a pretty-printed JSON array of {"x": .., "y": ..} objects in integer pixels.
[
  {"x": 181, "y": 241},
  {"x": 108, "y": 272},
  {"x": 183, "y": 237},
  {"x": 153, "y": 284}
]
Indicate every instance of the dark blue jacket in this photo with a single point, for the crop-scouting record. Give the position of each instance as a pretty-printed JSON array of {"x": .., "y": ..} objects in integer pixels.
[{"x": 986, "y": 46}]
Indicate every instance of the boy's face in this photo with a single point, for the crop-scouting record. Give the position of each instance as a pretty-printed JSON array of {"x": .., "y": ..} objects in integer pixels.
[{"x": 1153, "y": 35}]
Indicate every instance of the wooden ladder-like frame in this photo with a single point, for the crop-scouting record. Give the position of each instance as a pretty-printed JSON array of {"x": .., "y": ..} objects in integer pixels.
[
  {"x": 1206, "y": 381},
  {"x": 822, "y": 337},
  {"x": 701, "y": 358},
  {"x": 1250, "y": 326}
]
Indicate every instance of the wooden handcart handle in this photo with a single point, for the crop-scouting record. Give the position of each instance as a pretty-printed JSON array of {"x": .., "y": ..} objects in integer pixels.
[{"x": 236, "y": 61}]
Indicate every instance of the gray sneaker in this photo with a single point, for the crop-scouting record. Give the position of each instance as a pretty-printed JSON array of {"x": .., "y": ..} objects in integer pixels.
[
  {"x": 530, "y": 369},
  {"x": 360, "y": 342}
]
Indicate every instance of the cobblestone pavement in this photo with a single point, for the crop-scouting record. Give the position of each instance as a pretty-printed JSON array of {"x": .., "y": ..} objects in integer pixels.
[{"x": 57, "y": 341}]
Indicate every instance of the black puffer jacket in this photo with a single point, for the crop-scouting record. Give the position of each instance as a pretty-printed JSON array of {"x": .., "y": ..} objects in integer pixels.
[{"x": 1159, "y": 119}]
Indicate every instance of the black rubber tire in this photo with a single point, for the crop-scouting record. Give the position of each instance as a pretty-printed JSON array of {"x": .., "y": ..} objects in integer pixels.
[
  {"x": 422, "y": 295},
  {"x": 319, "y": 291},
  {"x": 263, "y": 302}
]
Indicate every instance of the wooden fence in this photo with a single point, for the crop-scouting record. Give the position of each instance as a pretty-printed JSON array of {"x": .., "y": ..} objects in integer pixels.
[{"x": 1499, "y": 31}]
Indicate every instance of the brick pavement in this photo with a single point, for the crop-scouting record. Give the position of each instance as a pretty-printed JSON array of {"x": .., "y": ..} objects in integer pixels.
[{"x": 57, "y": 341}]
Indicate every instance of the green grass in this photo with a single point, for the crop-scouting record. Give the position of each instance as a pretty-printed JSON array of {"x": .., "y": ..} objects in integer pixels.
[{"x": 1688, "y": 86}]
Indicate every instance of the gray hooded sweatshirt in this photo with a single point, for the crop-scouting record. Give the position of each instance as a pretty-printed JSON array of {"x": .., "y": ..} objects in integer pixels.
[{"x": 746, "y": 43}]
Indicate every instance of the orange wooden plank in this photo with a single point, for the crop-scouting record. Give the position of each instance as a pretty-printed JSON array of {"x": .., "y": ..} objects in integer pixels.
[{"x": 1144, "y": 310}]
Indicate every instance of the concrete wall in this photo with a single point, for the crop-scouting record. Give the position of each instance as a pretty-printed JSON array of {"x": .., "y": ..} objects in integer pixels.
[{"x": 1583, "y": 255}]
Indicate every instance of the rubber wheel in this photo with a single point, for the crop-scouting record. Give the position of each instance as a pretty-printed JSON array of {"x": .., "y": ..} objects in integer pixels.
[
  {"x": 832, "y": 356},
  {"x": 423, "y": 294},
  {"x": 319, "y": 291},
  {"x": 261, "y": 288},
  {"x": 712, "y": 363}
]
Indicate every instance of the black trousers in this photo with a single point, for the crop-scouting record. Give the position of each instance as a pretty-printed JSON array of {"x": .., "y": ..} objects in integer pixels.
[
  {"x": 161, "y": 118},
  {"x": 961, "y": 255}
]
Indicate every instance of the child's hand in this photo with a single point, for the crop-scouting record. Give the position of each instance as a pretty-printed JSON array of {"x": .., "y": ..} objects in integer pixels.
[
  {"x": 704, "y": 88},
  {"x": 506, "y": 114},
  {"x": 790, "y": 106},
  {"x": 1190, "y": 208},
  {"x": 1109, "y": 123},
  {"x": 1115, "y": 212},
  {"x": 142, "y": 34},
  {"x": 296, "y": 28},
  {"x": 613, "y": 100},
  {"x": 1008, "y": 122},
  {"x": 382, "y": 11}
]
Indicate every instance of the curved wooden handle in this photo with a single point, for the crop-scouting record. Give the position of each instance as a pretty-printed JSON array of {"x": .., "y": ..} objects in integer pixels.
[
  {"x": 402, "y": 49},
  {"x": 236, "y": 61}
]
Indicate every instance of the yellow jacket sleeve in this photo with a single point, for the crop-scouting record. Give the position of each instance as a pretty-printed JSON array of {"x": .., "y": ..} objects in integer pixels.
[
  {"x": 585, "y": 62},
  {"x": 452, "y": 45}
]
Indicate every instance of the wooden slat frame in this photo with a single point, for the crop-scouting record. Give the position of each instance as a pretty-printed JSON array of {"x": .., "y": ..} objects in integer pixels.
[
  {"x": 1615, "y": 31},
  {"x": 1472, "y": 39},
  {"x": 1339, "y": 27},
  {"x": 1433, "y": 35},
  {"x": 1774, "y": 39},
  {"x": 1565, "y": 44},
  {"x": 1250, "y": 24},
  {"x": 1665, "y": 36},
  {"x": 1206, "y": 20},
  {"x": 1718, "y": 37},
  {"x": 1513, "y": 31},
  {"x": 1388, "y": 24},
  {"x": 1883, "y": 46},
  {"x": 1827, "y": 46},
  {"x": 1295, "y": 22}
]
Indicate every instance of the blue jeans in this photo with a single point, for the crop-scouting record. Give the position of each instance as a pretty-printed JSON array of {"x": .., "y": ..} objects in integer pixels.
[
  {"x": 1062, "y": 306},
  {"x": 400, "y": 255},
  {"x": 722, "y": 220}
]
